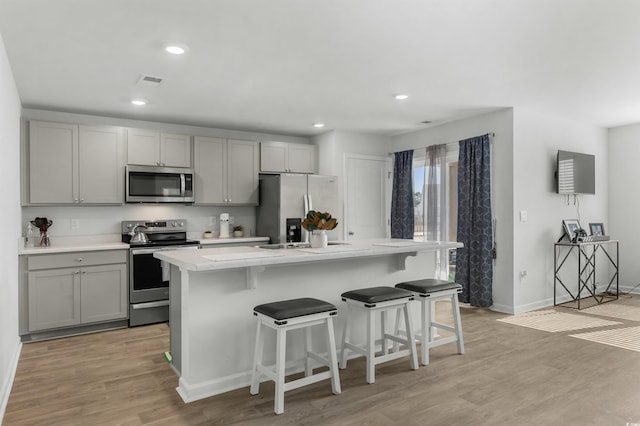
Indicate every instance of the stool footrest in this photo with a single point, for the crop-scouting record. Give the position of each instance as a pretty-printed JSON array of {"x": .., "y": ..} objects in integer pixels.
[
  {"x": 304, "y": 381},
  {"x": 379, "y": 359},
  {"x": 442, "y": 341},
  {"x": 443, "y": 326}
]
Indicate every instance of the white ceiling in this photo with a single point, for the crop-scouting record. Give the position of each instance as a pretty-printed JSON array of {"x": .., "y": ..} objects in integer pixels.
[{"x": 278, "y": 66}]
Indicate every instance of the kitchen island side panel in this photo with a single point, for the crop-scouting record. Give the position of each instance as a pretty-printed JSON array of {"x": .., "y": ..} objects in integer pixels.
[{"x": 217, "y": 327}]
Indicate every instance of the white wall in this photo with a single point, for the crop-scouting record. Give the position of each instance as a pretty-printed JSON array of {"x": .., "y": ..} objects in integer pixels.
[
  {"x": 624, "y": 199},
  {"x": 500, "y": 123},
  {"x": 333, "y": 146},
  {"x": 537, "y": 139},
  {"x": 10, "y": 230}
]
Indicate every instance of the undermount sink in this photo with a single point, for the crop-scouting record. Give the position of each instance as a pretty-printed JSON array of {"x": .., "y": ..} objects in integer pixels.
[{"x": 295, "y": 245}]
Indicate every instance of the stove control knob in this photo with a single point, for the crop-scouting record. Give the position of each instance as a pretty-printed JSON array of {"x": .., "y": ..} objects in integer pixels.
[
  {"x": 174, "y": 224},
  {"x": 181, "y": 224}
]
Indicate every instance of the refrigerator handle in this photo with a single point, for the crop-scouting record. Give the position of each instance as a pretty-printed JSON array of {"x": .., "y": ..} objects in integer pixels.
[
  {"x": 310, "y": 206},
  {"x": 307, "y": 207}
]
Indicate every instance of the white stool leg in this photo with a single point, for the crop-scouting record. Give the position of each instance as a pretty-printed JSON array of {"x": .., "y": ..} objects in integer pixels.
[
  {"x": 257, "y": 360},
  {"x": 383, "y": 330},
  {"x": 333, "y": 357},
  {"x": 433, "y": 332},
  {"x": 396, "y": 329},
  {"x": 411, "y": 337},
  {"x": 281, "y": 345},
  {"x": 371, "y": 346},
  {"x": 345, "y": 338},
  {"x": 457, "y": 323},
  {"x": 425, "y": 330},
  {"x": 308, "y": 371}
]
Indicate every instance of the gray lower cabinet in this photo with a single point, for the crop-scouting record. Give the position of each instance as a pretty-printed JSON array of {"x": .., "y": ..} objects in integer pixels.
[{"x": 73, "y": 289}]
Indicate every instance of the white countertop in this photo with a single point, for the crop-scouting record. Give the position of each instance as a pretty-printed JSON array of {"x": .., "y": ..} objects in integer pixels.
[
  {"x": 112, "y": 242},
  {"x": 209, "y": 259},
  {"x": 68, "y": 244}
]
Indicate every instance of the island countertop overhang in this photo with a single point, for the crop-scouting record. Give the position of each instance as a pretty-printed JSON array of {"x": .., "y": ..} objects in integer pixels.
[{"x": 211, "y": 259}]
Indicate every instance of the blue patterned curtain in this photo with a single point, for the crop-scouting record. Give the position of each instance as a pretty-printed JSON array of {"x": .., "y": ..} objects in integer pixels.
[
  {"x": 402, "y": 196},
  {"x": 474, "y": 263}
]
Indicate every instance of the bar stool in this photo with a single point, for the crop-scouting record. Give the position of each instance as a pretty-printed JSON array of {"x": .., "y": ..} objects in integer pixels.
[
  {"x": 429, "y": 291},
  {"x": 288, "y": 315},
  {"x": 373, "y": 300}
]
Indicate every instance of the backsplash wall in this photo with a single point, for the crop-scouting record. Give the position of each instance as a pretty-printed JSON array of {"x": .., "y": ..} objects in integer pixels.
[{"x": 105, "y": 220}]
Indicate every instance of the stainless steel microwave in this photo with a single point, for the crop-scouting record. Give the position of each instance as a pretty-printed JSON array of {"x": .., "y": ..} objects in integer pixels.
[{"x": 150, "y": 184}]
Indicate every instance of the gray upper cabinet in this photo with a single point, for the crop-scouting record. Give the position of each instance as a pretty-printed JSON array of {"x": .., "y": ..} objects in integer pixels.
[
  {"x": 282, "y": 157},
  {"x": 226, "y": 171},
  {"x": 71, "y": 164},
  {"x": 100, "y": 165},
  {"x": 148, "y": 148}
]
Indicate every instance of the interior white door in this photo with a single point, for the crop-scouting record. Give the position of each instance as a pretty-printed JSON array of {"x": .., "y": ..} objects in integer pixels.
[{"x": 366, "y": 198}]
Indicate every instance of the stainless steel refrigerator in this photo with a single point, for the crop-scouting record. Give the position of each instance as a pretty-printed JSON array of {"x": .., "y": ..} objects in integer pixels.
[{"x": 285, "y": 200}]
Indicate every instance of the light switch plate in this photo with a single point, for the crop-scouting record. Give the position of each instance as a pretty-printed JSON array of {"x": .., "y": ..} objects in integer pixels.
[{"x": 523, "y": 215}]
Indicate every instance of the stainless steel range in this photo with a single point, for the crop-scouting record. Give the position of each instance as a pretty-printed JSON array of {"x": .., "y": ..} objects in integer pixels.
[{"x": 148, "y": 276}]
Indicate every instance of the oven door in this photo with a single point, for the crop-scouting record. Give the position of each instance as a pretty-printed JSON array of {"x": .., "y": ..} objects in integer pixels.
[
  {"x": 149, "y": 285},
  {"x": 148, "y": 276}
]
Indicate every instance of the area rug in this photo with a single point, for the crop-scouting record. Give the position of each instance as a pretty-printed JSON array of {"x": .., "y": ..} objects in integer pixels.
[
  {"x": 554, "y": 322},
  {"x": 625, "y": 338},
  {"x": 615, "y": 310}
]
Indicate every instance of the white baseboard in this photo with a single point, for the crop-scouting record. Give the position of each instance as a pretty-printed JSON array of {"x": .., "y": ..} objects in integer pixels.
[{"x": 5, "y": 388}]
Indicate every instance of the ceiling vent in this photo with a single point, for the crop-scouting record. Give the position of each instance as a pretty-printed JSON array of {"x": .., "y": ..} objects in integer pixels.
[{"x": 149, "y": 80}]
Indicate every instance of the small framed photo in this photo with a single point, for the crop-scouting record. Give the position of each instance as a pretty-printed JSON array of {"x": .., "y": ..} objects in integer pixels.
[
  {"x": 597, "y": 229},
  {"x": 570, "y": 228}
]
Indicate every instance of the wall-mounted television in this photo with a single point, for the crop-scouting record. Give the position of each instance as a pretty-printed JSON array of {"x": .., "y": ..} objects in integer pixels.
[{"x": 575, "y": 173}]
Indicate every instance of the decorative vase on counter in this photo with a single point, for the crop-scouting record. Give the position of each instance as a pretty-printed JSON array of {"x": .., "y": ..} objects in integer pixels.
[{"x": 319, "y": 239}]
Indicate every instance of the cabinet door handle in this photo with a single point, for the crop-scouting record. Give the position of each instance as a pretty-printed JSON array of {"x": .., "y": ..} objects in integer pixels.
[
  {"x": 351, "y": 233},
  {"x": 82, "y": 200},
  {"x": 75, "y": 200},
  {"x": 79, "y": 259},
  {"x": 77, "y": 272}
]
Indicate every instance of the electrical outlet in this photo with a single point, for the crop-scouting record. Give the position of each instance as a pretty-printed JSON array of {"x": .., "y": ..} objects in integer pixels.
[{"x": 75, "y": 224}]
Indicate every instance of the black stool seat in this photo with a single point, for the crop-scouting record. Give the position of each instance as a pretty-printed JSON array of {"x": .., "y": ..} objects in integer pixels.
[
  {"x": 293, "y": 308},
  {"x": 376, "y": 294},
  {"x": 429, "y": 286}
]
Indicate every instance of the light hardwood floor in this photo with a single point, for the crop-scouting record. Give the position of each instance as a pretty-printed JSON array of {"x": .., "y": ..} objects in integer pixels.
[{"x": 509, "y": 375}]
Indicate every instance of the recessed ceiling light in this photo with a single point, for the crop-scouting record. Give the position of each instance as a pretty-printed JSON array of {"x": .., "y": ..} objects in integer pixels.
[
  {"x": 318, "y": 125},
  {"x": 139, "y": 102},
  {"x": 400, "y": 97},
  {"x": 176, "y": 49}
]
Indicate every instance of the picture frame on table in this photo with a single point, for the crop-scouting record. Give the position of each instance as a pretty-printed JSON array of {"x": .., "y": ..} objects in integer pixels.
[
  {"x": 597, "y": 229},
  {"x": 570, "y": 228}
]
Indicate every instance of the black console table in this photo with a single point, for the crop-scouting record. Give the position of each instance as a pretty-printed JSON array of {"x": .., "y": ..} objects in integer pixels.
[{"x": 587, "y": 252}]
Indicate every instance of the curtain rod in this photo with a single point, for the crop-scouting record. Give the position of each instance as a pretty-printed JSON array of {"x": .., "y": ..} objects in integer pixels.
[{"x": 491, "y": 135}]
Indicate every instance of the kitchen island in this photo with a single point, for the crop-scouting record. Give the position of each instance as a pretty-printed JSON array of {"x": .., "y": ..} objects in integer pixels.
[{"x": 213, "y": 291}]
